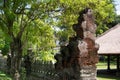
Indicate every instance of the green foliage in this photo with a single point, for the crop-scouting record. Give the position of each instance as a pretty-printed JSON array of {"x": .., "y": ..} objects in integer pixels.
[
  {"x": 34, "y": 21},
  {"x": 30, "y": 21},
  {"x": 3, "y": 76},
  {"x": 39, "y": 36},
  {"x": 6, "y": 48},
  {"x": 116, "y": 21},
  {"x": 4, "y": 43},
  {"x": 46, "y": 55},
  {"x": 104, "y": 13}
]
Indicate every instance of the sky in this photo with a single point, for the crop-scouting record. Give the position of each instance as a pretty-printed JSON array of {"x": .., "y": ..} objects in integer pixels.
[{"x": 117, "y": 2}]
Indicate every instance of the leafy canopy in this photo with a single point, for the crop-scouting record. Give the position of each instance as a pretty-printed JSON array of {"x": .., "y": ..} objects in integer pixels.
[
  {"x": 34, "y": 21},
  {"x": 104, "y": 13},
  {"x": 29, "y": 21}
]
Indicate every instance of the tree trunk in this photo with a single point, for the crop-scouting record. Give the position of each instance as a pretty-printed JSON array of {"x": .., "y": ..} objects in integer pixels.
[{"x": 16, "y": 55}]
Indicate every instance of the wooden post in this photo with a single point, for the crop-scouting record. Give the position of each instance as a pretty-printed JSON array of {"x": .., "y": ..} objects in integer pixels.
[
  {"x": 118, "y": 65},
  {"x": 108, "y": 62}
]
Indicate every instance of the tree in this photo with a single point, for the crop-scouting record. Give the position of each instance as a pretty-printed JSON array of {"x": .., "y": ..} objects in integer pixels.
[
  {"x": 4, "y": 43},
  {"x": 25, "y": 23},
  {"x": 116, "y": 21},
  {"x": 104, "y": 13}
]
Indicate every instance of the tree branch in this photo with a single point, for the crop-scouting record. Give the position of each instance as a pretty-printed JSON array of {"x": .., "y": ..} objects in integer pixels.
[{"x": 22, "y": 27}]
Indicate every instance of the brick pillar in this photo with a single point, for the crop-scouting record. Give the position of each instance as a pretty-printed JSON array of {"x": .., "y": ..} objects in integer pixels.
[{"x": 78, "y": 58}]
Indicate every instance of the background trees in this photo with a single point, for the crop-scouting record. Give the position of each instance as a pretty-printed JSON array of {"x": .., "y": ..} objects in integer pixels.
[
  {"x": 25, "y": 24},
  {"x": 104, "y": 13}
]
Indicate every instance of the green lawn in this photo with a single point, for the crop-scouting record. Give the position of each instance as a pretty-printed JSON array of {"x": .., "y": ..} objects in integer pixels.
[{"x": 103, "y": 65}]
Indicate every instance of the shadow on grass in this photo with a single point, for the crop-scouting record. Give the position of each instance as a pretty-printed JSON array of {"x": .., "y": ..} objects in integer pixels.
[
  {"x": 108, "y": 74},
  {"x": 107, "y": 77}
]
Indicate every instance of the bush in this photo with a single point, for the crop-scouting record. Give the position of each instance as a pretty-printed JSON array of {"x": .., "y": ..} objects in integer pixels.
[{"x": 4, "y": 76}]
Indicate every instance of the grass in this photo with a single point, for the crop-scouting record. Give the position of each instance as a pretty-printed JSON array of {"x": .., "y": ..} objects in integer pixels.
[
  {"x": 103, "y": 65},
  {"x": 3, "y": 76},
  {"x": 100, "y": 65},
  {"x": 107, "y": 77}
]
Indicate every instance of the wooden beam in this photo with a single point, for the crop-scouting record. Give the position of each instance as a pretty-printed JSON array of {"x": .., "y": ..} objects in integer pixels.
[{"x": 108, "y": 62}]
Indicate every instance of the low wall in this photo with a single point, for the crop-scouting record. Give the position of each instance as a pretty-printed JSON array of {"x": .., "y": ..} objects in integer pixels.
[{"x": 3, "y": 66}]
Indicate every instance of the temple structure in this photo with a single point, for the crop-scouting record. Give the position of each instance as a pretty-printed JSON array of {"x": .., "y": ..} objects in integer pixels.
[
  {"x": 78, "y": 58},
  {"x": 109, "y": 43}
]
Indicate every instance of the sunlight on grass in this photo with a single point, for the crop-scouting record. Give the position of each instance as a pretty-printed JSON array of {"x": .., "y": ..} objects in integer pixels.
[
  {"x": 103, "y": 65},
  {"x": 4, "y": 76}
]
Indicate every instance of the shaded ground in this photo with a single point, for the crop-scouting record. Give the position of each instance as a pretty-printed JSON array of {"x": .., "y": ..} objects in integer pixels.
[
  {"x": 108, "y": 74},
  {"x": 104, "y": 74}
]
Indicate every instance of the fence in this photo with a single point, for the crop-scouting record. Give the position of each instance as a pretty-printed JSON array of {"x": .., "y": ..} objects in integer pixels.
[{"x": 42, "y": 70}]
